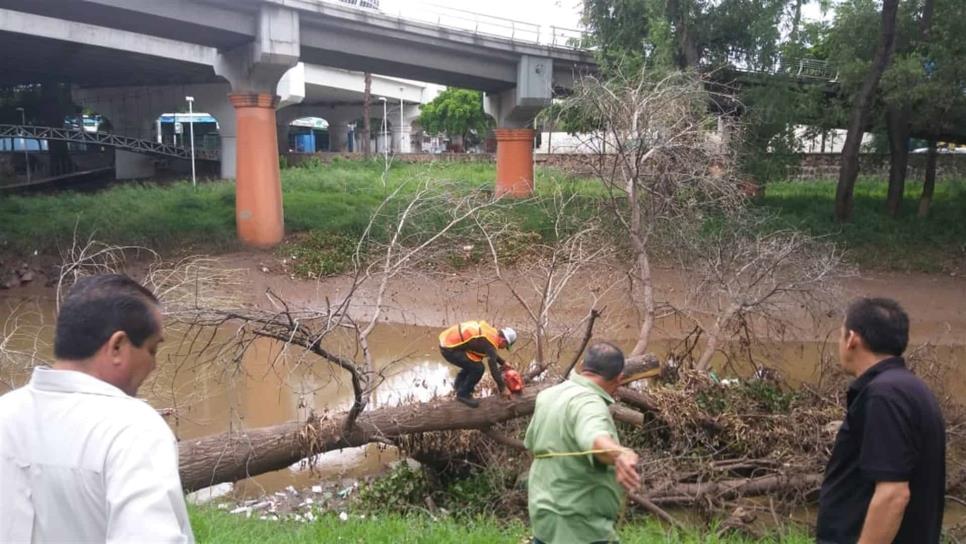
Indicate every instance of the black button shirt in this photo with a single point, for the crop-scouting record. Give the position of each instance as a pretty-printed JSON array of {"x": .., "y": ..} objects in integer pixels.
[{"x": 893, "y": 432}]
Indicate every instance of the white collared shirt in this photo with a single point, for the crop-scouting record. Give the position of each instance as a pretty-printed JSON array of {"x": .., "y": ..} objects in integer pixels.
[{"x": 81, "y": 461}]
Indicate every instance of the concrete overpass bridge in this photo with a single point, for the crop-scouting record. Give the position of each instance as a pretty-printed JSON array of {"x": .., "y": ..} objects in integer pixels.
[
  {"x": 231, "y": 55},
  {"x": 304, "y": 91}
]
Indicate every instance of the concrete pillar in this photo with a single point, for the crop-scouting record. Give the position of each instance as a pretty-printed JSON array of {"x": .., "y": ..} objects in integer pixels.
[
  {"x": 514, "y": 161},
  {"x": 362, "y": 136},
  {"x": 258, "y": 198},
  {"x": 338, "y": 136},
  {"x": 401, "y": 139},
  {"x": 254, "y": 71},
  {"x": 281, "y": 134},
  {"x": 514, "y": 110},
  {"x": 383, "y": 142}
]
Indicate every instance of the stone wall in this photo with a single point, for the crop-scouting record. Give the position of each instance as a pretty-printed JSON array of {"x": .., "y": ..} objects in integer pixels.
[
  {"x": 295, "y": 159},
  {"x": 826, "y": 166}
]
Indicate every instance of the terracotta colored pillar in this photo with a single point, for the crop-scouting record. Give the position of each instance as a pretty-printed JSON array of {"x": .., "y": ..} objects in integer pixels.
[
  {"x": 514, "y": 161},
  {"x": 258, "y": 188}
]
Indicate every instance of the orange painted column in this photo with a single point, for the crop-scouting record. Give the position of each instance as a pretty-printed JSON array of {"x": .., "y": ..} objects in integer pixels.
[
  {"x": 514, "y": 161},
  {"x": 258, "y": 187}
]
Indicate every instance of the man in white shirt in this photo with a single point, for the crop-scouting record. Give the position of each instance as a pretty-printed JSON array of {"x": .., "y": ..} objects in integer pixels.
[{"x": 81, "y": 459}]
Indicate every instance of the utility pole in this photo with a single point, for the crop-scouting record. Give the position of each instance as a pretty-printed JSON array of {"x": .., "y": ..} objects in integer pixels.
[
  {"x": 366, "y": 99},
  {"x": 26, "y": 154},
  {"x": 385, "y": 137},
  {"x": 401, "y": 121},
  {"x": 191, "y": 129}
]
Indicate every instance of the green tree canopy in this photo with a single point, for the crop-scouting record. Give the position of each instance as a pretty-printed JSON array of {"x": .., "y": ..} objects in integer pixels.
[
  {"x": 688, "y": 33},
  {"x": 455, "y": 112}
]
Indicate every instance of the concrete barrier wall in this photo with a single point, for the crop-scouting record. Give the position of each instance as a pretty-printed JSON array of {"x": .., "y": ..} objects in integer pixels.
[{"x": 826, "y": 166}]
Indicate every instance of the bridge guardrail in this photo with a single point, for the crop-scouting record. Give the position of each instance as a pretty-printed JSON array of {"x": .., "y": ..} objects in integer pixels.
[
  {"x": 477, "y": 23},
  {"x": 105, "y": 139}
]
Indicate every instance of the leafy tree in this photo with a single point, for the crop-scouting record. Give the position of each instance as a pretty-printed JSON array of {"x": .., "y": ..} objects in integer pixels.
[
  {"x": 718, "y": 38},
  {"x": 862, "y": 109},
  {"x": 687, "y": 34},
  {"x": 921, "y": 91},
  {"x": 456, "y": 112}
]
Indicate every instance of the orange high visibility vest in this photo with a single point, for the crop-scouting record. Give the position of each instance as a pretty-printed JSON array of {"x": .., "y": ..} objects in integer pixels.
[{"x": 462, "y": 333}]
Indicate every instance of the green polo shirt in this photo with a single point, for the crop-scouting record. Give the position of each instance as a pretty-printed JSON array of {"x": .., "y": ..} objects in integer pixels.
[{"x": 571, "y": 499}]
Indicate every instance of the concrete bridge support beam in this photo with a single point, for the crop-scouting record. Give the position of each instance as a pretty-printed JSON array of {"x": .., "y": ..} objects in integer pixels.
[
  {"x": 133, "y": 112},
  {"x": 254, "y": 72},
  {"x": 514, "y": 111},
  {"x": 401, "y": 139},
  {"x": 338, "y": 136}
]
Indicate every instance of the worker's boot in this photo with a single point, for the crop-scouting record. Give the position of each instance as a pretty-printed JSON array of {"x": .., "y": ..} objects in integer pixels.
[{"x": 468, "y": 400}]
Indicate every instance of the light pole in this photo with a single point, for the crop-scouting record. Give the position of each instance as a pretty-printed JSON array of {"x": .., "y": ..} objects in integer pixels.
[
  {"x": 26, "y": 154},
  {"x": 191, "y": 131},
  {"x": 385, "y": 147},
  {"x": 401, "y": 121}
]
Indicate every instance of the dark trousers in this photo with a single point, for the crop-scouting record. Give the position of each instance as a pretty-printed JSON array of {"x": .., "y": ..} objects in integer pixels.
[
  {"x": 470, "y": 374},
  {"x": 537, "y": 541}
]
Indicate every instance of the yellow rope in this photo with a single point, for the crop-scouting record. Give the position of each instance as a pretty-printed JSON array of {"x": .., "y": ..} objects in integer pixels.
[{"x": 551, "y": 454}]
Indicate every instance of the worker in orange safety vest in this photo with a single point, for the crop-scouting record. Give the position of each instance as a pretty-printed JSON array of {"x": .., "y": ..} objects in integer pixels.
[{"x": 465, "y": 345}]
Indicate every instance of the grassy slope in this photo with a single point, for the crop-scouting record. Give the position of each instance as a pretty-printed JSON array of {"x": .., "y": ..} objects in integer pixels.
[
  {"x": 217, "y": 527},
  {"x": 339, "y": 198},
  {"x": 336, "y": 198},
  {"x": 874, "y": 239}
]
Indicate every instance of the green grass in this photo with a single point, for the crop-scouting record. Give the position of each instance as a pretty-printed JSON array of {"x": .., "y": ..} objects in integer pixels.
[
  {"x": 213, "y": 526},
  {"x": 873, "y": 239},
  {"x": 338, "y": 199}
]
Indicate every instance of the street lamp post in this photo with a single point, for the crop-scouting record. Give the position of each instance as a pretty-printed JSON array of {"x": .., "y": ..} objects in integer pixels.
[
  {"x": 385, "y": 137},
  {"x": 191, "y": 132},
  {"x": 26, "y": 154},
  {"x": 401, "y": 121}
]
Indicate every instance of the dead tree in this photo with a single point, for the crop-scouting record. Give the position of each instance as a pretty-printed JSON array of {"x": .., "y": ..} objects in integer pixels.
[
  {"x": 656, "y": 160},
  {"x": 746, "y": 276},
  {"x": 550, "y": 266}
]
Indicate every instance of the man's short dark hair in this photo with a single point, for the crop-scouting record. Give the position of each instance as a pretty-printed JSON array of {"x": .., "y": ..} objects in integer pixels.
[
  {"x": 98, "y": 306},
  {"x": 882, "y": 324},
  {"x": 604, "y": 359}
]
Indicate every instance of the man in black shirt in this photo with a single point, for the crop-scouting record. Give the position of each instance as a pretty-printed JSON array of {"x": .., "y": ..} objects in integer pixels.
[{"x": 886, "y": 479}]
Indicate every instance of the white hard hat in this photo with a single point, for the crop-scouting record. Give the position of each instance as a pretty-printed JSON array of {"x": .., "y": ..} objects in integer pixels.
[{"x": 509, "y": 335}]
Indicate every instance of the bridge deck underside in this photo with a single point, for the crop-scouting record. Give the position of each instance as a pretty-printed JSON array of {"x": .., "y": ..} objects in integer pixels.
[{"x": 30, "y": 59}]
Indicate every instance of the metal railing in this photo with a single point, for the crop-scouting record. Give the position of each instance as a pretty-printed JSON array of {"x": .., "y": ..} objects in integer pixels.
[
  {"x": 126, "y": 143},
  {"x": 368, "y": 4},
  {"x": 476, "y": 23},
  {"x": 809, "y": 69}
]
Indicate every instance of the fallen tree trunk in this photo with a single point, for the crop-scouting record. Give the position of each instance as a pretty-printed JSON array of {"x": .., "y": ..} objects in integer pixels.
[
  {"x": 229, "y": 457},
  {"x": 690, "y": 493}
]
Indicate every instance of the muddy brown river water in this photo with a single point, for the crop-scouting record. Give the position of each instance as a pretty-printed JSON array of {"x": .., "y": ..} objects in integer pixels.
[{"x": 269, "y": 385}]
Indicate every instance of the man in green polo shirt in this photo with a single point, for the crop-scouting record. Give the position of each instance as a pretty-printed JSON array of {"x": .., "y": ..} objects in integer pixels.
[{"x": 575, "y": 499}]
